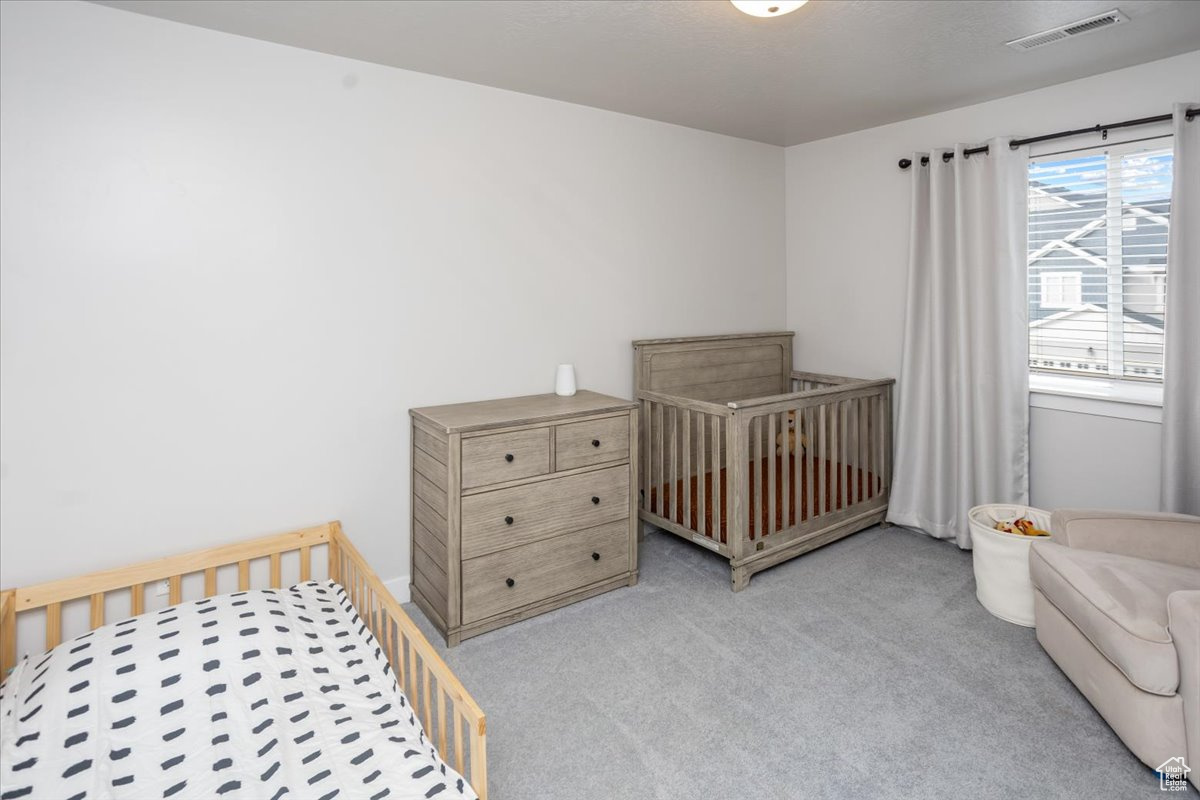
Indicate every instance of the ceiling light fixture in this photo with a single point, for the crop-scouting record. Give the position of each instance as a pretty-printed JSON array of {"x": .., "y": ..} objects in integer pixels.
[{"x": 767, "y": 8}]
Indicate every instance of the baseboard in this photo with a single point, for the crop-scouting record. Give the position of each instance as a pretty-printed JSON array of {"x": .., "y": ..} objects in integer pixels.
[{"x": 399, "y": 588}]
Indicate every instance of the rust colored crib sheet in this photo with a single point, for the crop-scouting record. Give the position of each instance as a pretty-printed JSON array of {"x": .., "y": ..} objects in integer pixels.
[{"x": 839, "y": 491}]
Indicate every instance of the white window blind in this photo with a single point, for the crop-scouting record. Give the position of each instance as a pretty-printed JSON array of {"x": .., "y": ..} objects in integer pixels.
[{"x": 1098, "y": 222}]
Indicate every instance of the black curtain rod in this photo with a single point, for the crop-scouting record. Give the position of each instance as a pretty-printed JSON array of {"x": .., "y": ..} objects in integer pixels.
[{"x": 905, "y": 163}]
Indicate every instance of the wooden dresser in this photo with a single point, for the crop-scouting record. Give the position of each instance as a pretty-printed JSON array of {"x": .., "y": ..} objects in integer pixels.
[{"x": 520, "y": 506}]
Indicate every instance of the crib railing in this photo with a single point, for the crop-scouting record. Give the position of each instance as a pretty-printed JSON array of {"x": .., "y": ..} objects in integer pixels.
[
  {"x": 841, "y": 457},
  {"x": 729, "y": 476},
  {"x": 684, "y": 449}
]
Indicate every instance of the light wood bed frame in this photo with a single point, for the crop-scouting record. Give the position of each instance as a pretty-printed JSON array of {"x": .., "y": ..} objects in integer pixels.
[
  {"x": 445, "y": 708},
  {"x": 704, "y": 398}
]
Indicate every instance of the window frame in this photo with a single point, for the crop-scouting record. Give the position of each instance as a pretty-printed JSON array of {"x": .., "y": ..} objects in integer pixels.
[{"x": 1104, "y": 395}]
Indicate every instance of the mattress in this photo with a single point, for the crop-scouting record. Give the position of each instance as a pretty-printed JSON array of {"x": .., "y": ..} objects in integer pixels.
[
  {"x": 833, "y": 489},
  {"x": 260, "y": 694}
]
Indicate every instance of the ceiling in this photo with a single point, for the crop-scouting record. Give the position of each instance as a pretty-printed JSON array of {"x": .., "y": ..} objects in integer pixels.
[{"x": 832, "y": 67}]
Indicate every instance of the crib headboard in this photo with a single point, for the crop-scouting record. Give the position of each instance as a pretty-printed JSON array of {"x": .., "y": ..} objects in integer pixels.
[{"x": 715, "y": 368}]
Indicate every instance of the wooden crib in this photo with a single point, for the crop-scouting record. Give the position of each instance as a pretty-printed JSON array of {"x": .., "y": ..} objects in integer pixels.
[{"x": 757, "y": 462}]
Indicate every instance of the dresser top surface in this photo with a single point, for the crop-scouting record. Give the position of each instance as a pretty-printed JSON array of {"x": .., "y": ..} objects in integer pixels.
[{"x": 460, "y": 417}]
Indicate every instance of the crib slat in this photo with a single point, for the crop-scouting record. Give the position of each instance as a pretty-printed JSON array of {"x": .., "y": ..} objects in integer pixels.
[
  {"x": 702, "y": 524},
  {"x": 305, "y": 564},
  {"x": 175, "y": 590},
  {"x": 662, "y": 475},
  {"x": 847, "y": 432},
  {"x": 137, "y": 599},
  {"x": 97, "y": 608},
  {"x": 243, "y": 576},
  {"x": 786, "y": 461},
  {"x": 887, "y": 439},
  {"x": 770, "y": 526},
  {"x": 823, "y": 463},
  {"x": 851, "y": 432},
  {"x": 756, "y": 476},
  {"x": 673, "y": 440},
  {"x": 647, "y": 423},
  {"x": 868, "y": 404},
  {"x": 276, "y": 578},
  {"x": 687, "y": 468},
  {"x": 863, "y": 406},
  {"x": 53, "y": 625},
  {"x": 881, "y": 427},
  {"x": 881, "y": 411},
  {"x": 718, "y": 485},
  {"x": 210, "y": 581},
  {"x": 837, "y": 446},
  {"x": 809, "y": 475}
]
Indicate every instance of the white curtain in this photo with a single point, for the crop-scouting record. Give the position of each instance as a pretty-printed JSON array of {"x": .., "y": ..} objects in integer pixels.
[
  {"x": 963, "y": 418},
  {"x": 1181, "y": 373}
]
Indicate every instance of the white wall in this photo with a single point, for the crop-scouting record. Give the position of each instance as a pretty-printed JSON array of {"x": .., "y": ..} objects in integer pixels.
[
  {"x": 229, "y": 268},
  {"x": 847, "y": 250}
]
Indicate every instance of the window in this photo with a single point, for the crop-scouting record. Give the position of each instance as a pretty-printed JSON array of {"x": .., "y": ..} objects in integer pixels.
[
  {"x": 1097, "y": 260},
  {"x": 1062, "y": 289}
]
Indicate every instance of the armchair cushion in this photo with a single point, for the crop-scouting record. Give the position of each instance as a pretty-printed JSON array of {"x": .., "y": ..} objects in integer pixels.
[
  {"x": 1119, "y": 603},
  {"x": 1174, "y": 538}
]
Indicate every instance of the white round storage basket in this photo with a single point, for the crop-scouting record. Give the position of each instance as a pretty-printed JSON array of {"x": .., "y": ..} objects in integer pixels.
[{"x": 1002, "y": 561}]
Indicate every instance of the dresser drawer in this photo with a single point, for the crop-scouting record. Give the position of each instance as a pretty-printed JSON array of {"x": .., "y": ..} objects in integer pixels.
[
  {"x": 501, "y": 457},
  {"x": 513, "y": 578},
  {"x": 509, "y": 517},
  {"x": 594, "y": 441}
]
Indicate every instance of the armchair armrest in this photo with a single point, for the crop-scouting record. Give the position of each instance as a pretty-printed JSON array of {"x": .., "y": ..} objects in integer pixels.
[
  {"x": 1173, "y": 538},
  {"x": 1183, "y": 613}
]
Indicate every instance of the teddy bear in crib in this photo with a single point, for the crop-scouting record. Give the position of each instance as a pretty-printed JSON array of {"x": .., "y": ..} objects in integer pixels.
[{"x": 791, "y": 435}]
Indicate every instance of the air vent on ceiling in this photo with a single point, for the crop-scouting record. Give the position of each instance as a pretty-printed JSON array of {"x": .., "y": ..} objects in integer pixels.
[{"x": 1098, "y": 22}]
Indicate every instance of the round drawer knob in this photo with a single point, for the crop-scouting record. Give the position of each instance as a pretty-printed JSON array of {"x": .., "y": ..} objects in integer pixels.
[
  {"x": 595, "y": 501},
  {"x": 595, "y": 556},
  {"x": 508, "y": 520},
  {"x": 509, "y": 582},
  {"x": 508, "y": 457},
  {"x": 595, "y": 442}
]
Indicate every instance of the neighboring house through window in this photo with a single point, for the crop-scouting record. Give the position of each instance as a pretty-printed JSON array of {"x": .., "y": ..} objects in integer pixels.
[
  {"x": 1097, "y": 260},
  {"x": 1062, "y": 289}
]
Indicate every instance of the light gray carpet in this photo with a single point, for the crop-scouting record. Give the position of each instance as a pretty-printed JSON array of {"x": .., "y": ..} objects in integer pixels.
[{"x": 866, "y": 668}]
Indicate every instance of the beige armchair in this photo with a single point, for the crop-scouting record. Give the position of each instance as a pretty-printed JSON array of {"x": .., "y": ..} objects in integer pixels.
[{"x": 1117, "y": 606}]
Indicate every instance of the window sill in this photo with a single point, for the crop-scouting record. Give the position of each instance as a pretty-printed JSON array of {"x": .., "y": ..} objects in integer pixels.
[{"x": 1103, "y": 398}]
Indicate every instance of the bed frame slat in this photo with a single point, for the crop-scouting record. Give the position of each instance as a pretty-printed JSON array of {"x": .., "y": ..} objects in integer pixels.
[
  {"x": 53, "y": 625},
  {"x": 97, "y": 610}
]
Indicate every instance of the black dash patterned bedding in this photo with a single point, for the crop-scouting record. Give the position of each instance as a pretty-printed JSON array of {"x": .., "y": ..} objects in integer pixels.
[{"x": 263, "y": 694}]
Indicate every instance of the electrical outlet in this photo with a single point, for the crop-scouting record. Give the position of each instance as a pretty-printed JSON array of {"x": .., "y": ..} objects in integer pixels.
[{"x": 162, "y": 588}]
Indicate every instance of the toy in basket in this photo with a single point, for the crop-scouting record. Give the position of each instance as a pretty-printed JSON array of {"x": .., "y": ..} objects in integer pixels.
[
  {"x": 1021, "y": 526},
  {"x": 1000, "y": 539}
]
